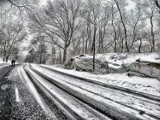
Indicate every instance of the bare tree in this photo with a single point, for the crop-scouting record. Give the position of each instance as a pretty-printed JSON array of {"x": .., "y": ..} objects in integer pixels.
[
  {"x": 60, "y": 22},
  {"x": 122, "y": 21},
  {"x": 150, "y": 13},
  {"x": 150, "y": 10},
  {"x": 73, "y": 27},
  {"x": 96, "y": 17},
  {"x": 93, "y": 10},
  {"x": 114, "y": 28},
  {"x": 157, "y": 2},
  {"x": 11, "y": 35},
  {"x": 137, "y": 23},
  {"x": 20, "y": 4},
  {"x": 103, "y": 24}
]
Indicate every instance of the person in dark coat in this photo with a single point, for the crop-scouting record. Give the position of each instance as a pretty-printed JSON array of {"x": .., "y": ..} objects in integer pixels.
[{"x": 13, "y": 62}]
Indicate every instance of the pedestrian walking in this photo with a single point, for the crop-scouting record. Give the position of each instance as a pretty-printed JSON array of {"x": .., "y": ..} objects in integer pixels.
[{"x": 13, "y": 62}]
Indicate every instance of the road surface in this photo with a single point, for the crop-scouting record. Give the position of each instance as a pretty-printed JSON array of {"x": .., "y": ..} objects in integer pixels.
[
  {"x": 16, "y": 100},
  {"x": 34, "y": 92}
]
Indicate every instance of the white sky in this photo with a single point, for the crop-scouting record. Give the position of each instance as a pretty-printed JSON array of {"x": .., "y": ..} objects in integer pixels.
[
  {"x": 43, "y": 2},
  {"x": 131, "y": 4}
]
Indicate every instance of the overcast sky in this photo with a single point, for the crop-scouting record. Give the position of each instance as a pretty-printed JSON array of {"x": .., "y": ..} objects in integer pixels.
[
  {"x": 131, "y": 4},
  {"x": 43, "y": 2}
]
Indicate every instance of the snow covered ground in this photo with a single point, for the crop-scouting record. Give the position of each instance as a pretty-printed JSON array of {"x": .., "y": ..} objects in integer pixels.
[
  {"x": 81, "y": 92},
  {"x": 141, "y": 84},
  {"x": 100, "y": 95},
  {"x": 141, "y": 64},
  {"x": 126, "y": 58},
  {"x": 1, "y": 61},
  {"x": 68, "y": 100},
  {"x": 146, "y": 85},
  {"x": 3, "y": 64},
  {"x": 98, "y": 91}
]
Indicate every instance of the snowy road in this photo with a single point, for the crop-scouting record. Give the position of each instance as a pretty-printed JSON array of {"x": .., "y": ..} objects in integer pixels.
[{"x": 36, "y": 92}]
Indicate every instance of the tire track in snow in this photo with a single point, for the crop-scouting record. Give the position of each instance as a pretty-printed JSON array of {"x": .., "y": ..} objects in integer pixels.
[{"x": 93, "y": 101}]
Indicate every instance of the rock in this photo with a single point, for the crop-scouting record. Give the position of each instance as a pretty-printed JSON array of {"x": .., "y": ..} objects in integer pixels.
[
  {"x": 130, "y": 74},
  {"x": 83, "y": 63},
  {"x": 86, "y": 64},
  {"x": 141, "y": 112},
  {"x": 70, "y": 63},
  {"x": 146, "y": 68},
  {"x": 138, "y": 60}
]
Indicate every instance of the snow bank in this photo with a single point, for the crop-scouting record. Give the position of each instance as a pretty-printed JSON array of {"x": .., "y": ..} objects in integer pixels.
[
  {"x": 1, "y": 61},
  {"x": 145, "y": 85},
  {"x": 3, "y": 64},
  {"x": 115, "y": 63},
  {"x": 126, "y": 58},
  {"x": 124, "y": 79},
  {"x": 84, "y": 90}
]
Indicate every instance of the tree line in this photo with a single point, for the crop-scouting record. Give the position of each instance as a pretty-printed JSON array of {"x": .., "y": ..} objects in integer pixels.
[{"x": 65, "y": 28}]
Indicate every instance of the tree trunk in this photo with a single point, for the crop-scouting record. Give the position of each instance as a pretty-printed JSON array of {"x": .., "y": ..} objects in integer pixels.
[
  {"x": 139, "y": 48},
  {"x": 83, "y": 37},
  {"x": 100, "y": 45},
  {"x": 157, "y": 4},
  {"x": 60, "y": 57},
  {"x": 93, "y": 46},
  {"x": 152, "y": 33},
  {"x": 125, "y": 30},
  {"x": 7, "y": 57},
  {"x": 65, "y": 53},
  {"x": 86, "y": 46},
  {"x": 40, "y": 59},
  {"x": 122, "y": 46},
  {"x": 115, "y": 33}
]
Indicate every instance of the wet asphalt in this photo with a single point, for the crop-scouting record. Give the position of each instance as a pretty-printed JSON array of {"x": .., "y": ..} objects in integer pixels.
[{"x": 26, "y": 108}]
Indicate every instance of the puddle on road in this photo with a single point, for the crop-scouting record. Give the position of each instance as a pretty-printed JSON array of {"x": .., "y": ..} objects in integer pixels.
[{"x": 4, "y": 87}]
